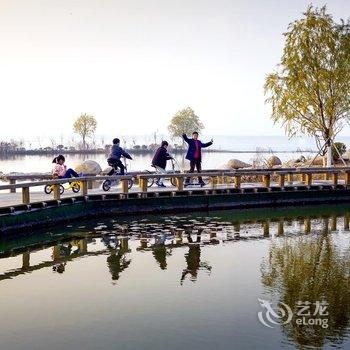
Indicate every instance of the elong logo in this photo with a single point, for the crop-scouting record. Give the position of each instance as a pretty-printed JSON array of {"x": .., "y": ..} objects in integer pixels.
[{"x": 283, "y": 314}]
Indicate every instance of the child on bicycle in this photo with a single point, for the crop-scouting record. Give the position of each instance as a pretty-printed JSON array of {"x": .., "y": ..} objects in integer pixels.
[
  {"x": 60, "y": 169},
  {"x": 113, "y": 159},
  {"x": 159, "y": 161}
]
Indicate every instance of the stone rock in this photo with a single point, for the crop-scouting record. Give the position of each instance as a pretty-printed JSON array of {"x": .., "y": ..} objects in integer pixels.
[
  {"x": 291, "y": 163},
  {"x": 237, "y": 164},
  {"x": 318, "y": 161},
  {"x": 301, "y": 159},
  {"x": 88, "y": 167},
  {"x": 106, "y": 170},
  {"x": 273, "y": 161},
  {"x": 346, "y": 155}
]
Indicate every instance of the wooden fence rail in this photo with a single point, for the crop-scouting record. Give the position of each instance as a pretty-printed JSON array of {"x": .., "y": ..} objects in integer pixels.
[{"x": 232, "y": 179}]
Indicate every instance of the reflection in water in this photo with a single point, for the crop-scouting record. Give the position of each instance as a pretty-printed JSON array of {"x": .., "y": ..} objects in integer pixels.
[
  {"x": 311, "y": 270},
  {"x": 118, "y": 261},
  {"x": 304, "y": 259},
  {"x": 65, "y": 251},
  {"x": 193, "y": 258},
  {"x": 160, "y": 251}
]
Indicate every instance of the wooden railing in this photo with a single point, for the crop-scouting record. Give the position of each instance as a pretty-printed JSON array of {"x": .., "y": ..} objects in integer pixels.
[
  {"x": 83, "y": 182},
  {"x": 13, "y": 179},
  {"x": 267, "y": 178}
]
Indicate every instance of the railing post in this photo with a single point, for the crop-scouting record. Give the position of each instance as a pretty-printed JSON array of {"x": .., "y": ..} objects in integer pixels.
[
  {"x": 280, "y": 228},
  {"x": 266, "y": 228},
  {"x": 266, "y": 180},
  {"x": 84, "y": 187},
  {"x": 281, "y": 180},
  {"x": 125, "y": 186},
  {"x": 214, "y": 181},
  {"x": 309, "y": 179},
  {"x": 56, "y": 252},
  {"x": 346, "y": 222},
  {"x": 26, "y": 260},
  {"x": 56, "y": 192},
  {"x": 12, "y": 189},
  {"x": 25, "y": 195},
  {"x": 143, "y": 184},
  {"x": 307, "y": 225},
  {"x": 180, "y": 183},
  {"x": 237, "y": 181},
  {"x": 82, "y": 244},
  {"x": 335, "y": 179},
  {"x": 347, "y": 178},
  {"x": 333, "y": 223},
  {"x": 290, "y": 178}
]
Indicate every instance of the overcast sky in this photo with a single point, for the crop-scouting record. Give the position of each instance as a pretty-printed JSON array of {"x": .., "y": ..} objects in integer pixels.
[{"x": 134, "y": 63}]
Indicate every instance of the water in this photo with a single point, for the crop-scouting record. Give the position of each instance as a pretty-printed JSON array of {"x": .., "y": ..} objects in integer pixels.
[
  {"x": 29, "y": 164},
  {"x": 177, "y": 282},
  {"x": 224, "y": 142},
  {"x": 250, "y": 144}
]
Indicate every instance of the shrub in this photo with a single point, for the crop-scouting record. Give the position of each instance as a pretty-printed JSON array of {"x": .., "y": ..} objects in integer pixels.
[{"x": 341, "y": 147}]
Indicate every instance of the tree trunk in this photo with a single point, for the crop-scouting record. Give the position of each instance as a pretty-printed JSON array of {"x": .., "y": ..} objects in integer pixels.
[
  {"x": 328, "y": 148},
  {"x": 329, "y": 155}
]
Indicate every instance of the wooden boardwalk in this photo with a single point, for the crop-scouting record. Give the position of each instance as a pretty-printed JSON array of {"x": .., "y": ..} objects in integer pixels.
[
  {"x": 28, "y": 189},
  {"x": 37, "y": 194}
]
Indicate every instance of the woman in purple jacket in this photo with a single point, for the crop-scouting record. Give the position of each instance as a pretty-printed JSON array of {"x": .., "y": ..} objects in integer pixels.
[{"x": 159, "y": 161}]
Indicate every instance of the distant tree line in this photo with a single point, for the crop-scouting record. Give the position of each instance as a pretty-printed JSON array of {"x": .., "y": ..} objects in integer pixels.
[{"x": 184, "y": 121}]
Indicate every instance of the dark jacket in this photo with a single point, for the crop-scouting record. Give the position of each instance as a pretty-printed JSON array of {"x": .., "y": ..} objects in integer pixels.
[
  {"x": 117, "y": 152},
  {"x": 160, "y": 157},
  {"x": 192, "y": 147}
]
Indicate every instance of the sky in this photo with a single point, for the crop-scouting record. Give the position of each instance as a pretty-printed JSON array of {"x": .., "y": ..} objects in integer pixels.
[{"x": 133, "y": 64}]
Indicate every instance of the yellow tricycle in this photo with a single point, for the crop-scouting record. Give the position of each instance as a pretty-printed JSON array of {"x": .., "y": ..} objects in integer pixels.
[{"x": 74, "y": 186}]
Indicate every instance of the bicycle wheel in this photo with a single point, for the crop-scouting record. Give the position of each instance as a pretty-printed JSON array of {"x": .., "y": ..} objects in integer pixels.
[
  {"x": 48, "y": 189},
  {"x": 173, "y": 181},
  {"x": 150, "y": 182},
  {"x": 130, "y": 183},
  {"x": 61, "y": 189},
  {"x": 106, "y": 185},
  {"x": 75, "y": 187}
]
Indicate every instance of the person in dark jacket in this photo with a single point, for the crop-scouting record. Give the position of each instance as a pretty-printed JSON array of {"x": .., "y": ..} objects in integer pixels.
[
  {"x": 194, "y": 154},
  {"x": 159, "y": 161},
  {"x": 114, "y": 157}
]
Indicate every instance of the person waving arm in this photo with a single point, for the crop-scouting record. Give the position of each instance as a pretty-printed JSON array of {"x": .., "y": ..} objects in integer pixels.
[
  {"x": 186, "y": 139},
  {"x": 207, "y": 144}
]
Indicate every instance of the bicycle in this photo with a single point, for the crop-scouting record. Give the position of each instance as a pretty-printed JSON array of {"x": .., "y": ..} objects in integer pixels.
[
  {"x": 107, "y": 184},
  {"x": 74, "y": 186},
  {"x": 150, "y": 181},
  {"x": 175, "y": 168}
]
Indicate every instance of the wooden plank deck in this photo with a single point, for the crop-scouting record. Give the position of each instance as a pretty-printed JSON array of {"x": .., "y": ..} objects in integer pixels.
[{"x": 37, "y": 193}]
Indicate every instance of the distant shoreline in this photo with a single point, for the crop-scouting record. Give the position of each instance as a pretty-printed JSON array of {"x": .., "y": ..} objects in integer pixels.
[{"x": 141, "y": 151}]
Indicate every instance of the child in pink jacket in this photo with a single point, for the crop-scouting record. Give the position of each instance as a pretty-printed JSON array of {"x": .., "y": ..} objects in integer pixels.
[{"x": 60, "y": 169}]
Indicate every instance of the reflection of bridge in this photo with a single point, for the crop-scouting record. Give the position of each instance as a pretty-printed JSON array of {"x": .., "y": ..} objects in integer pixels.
[
  {"x": 56, "y": 258},
  {"x": 192, "y": 237}
]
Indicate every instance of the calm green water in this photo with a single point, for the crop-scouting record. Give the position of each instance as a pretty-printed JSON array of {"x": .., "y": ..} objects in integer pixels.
[{"x": 205, "y": 281}]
